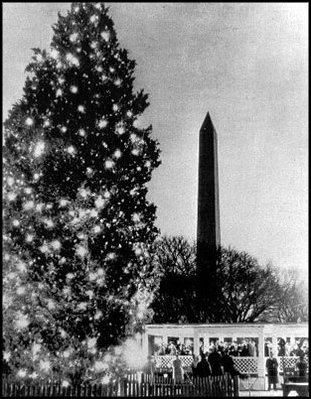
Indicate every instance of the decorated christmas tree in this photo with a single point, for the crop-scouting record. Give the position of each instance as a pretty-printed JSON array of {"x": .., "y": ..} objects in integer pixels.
[{"x": 77, "y": 226}]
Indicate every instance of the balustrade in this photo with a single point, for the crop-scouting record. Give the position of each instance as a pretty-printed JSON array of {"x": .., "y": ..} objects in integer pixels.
[{"x": 245, "y": 365}]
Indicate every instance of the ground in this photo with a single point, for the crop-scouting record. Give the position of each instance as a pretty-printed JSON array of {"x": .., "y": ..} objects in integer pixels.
[{"x": 267, "y": 394}]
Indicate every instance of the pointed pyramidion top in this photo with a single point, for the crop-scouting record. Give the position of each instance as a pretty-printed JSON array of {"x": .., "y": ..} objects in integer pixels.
[{"x": 207, "y": 124}]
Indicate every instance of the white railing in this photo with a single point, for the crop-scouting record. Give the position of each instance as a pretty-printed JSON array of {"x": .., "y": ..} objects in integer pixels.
[
  {"x": 245, "y": 365},
  {"x": 166, "y": 361},
  {"x": 289, "y": 361}
]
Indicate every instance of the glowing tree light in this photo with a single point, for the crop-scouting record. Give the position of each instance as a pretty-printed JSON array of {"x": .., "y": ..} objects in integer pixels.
[
  {"x": 45, "y": 365},
  {"x": 71, "y": 150},
  {"x": 121, "y": 129},
  {"x": 72, "y": 59},
  {"x": 105, "y": 35},
  {"x": 102, "y": 123},
  {"x": 93, "y": 19},
  {"x": 29, "y": 122},
  {"x": 55, "y": 244},
  {"x": 81, "y": 251},
  {"x": 39, "y": 149},
  {"x": 21, "y": 321},
  {"x": 54, "y": 54},
  {"x": 73, "y": 37},
  {"x": 117, "y": 154},
  {"x": 22, "y": 373},
  {"x": 10, "y": 181},
  {"x": 109, "y": 164},
  {"x": 11, "y": 196},
  {"x": 71, "y": 269},
  {"x": 100, "y": 202},
  {"x": 105, "y": 380},
  {"x": 74, "y": 89}
]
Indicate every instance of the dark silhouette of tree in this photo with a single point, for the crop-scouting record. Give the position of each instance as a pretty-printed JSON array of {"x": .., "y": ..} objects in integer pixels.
[
  {"x": 246, "y": 289},
  {"x": 243, "y": 290},
  {"x": 174, "y": 299},
  {"x": 293, "y": 302}
]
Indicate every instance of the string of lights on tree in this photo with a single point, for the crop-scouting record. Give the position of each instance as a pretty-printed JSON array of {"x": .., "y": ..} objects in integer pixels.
[{"x": 78, "y": 229}]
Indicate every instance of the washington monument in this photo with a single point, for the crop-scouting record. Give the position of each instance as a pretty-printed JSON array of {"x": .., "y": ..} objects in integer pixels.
[{"x": 208, "y": 228}]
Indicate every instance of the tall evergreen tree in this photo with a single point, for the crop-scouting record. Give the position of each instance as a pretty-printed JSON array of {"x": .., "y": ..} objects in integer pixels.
[{"x": 78, "y": 227}]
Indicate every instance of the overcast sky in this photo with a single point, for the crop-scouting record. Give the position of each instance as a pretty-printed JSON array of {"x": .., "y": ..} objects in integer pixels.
[{"x": 245, "y": 63}]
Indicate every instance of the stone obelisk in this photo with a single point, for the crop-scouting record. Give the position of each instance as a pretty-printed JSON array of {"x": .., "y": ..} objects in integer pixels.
[{"x": 208, "y": 228}]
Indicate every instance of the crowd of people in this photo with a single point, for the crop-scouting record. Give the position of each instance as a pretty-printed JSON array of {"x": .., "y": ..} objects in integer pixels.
[
  {"x": 173, "y": 349},
  {"x": 247, "y": 347},
  {"x": 272, "y": 364},
  {"x": 289, "y": 348},
  {"x": 213, "y": 363},
  {"x": 218, "y": 358},
  {"x": 218, "y": 361}
]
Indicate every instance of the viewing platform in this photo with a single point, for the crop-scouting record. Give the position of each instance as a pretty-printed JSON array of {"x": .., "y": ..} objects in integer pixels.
[{"x": 284, "y": 340}]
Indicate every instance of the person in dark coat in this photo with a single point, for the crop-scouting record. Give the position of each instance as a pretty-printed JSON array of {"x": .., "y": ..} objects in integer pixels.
[
  {"x": 272, "y": 371},
  {"x": 214, "y": 360},
  {"x": 234, "y": 350},
  {"x": 228, "y": 364},
  {"x": 194, "y": 366},
  {"x": 203, "y": 368},
  {"x": 302, "y": 366},
  {"x": 244, "y": 350}
]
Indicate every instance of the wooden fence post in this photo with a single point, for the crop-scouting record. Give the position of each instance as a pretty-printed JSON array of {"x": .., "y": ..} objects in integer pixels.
[
  {"x": 236, "y": 385},
  {"x": 4, "y": 387},
  {"x": 212, "y": 386}
]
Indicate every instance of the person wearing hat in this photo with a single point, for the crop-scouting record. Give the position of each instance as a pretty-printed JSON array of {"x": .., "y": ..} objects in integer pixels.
[
  {"x": 178, "y": 371},
  {"x": 272, "y": 371}
]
